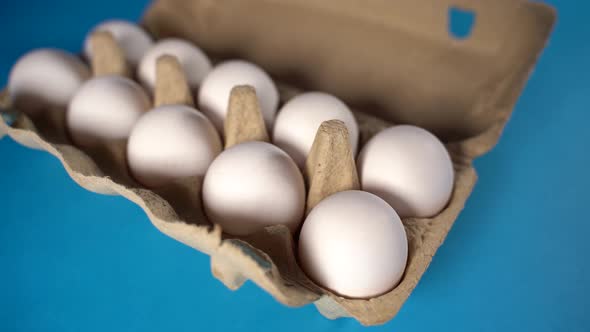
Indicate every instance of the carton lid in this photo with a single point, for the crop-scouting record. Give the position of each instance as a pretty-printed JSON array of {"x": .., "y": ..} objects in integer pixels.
[{"x": 394, "y": 59}]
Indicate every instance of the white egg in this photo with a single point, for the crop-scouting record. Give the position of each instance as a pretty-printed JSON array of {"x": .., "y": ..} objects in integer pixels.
[
  {"x": 354, "y": 244},
  {"x": 195, "y": 63},
  {"x": 171, "y": 142},
  {"x": 253, "y": 185},
  {"x": 409, "y": 168},
  {"x": 216, "y": 88},
  {"x": 298, "y": 120},
  {"x": 130, "y": 37},
  {"x": 104, "y": 110},
  {"x": 45, "y": 79}
]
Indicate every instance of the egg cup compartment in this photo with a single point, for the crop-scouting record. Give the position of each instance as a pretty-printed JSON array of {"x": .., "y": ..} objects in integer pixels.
[{"x": 394, "y": 62}]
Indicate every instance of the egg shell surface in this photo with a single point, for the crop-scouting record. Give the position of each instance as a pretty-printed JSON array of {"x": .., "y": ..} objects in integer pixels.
[
  {"x": 252, "y": 185},
  {"x": 104, "y": 110},
  {"x": 354, "y": 244},
  {"x": 171, "y": 142},
  {"x": 409, "y": 168},
  {"x": 45, "y": 79}
]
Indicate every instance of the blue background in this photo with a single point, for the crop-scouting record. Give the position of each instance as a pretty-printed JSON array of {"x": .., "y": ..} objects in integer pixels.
[{"x": 516, "y": 259}]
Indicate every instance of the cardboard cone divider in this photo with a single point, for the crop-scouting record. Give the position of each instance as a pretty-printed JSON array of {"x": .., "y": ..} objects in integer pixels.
[
  {"x": 330, "y": 165},
  {"x": 268, "y": 257},
  {"x": 107, "y": 58},
  {"x": 244, "y": 121},
  {"x": 171, "y": 84}
]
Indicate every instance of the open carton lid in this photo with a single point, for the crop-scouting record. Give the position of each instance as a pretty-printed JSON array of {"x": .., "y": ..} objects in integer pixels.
[{"x": 397, "y": 60}]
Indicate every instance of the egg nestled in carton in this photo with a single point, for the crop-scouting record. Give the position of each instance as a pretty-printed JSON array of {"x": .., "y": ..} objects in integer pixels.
[{"x": 461, "y": 90}]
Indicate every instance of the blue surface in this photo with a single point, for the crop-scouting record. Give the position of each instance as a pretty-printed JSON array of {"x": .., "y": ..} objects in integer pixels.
[{"x": 516, "y": 259}]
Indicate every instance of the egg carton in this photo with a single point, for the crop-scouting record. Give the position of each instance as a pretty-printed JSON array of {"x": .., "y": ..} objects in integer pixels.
[{"x": 394, "y": 61}]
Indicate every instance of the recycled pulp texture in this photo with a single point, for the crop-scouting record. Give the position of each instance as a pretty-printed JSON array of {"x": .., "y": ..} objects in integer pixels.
[{"x": 392, "y": 59}]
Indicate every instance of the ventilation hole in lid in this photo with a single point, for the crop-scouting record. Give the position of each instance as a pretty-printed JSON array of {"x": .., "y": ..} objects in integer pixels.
[{"x": 461, "y": 22}]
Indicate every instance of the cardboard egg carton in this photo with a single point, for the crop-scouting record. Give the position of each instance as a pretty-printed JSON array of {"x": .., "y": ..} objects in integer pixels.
[{"x": 393, "y": 61}]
